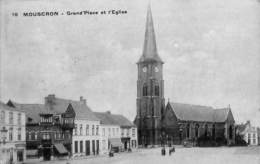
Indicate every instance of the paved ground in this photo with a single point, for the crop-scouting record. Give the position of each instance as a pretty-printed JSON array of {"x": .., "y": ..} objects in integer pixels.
[{"x": 220, "y": 155}]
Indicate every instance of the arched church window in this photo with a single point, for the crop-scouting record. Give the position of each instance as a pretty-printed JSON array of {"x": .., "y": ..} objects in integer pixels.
[
  {"x": 230, "y": 132},
  {"x": 145, "y": 90},
  {"x": 213, "y": 131},
  {"x": 157, "y": 91},
  {"x": 188, "y": 130},
  {"x": 197, "y": 130},
  {"x": 206, "y": 130}
]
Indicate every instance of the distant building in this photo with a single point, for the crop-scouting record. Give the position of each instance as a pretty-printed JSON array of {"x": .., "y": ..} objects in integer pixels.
[
  {"x": 12, "y": 135},
  {"x": 86, "y": 133},
  {"x": 48, "y": 133},
  {"x": 117, "y": 131},
  {"x": 249, "y": 133}
]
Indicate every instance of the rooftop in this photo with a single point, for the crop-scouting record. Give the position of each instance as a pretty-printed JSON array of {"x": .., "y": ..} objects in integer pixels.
[{"x": 199, "y": 113}]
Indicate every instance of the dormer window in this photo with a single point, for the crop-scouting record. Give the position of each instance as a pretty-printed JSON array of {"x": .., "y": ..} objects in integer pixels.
[
  {"x": 29, "y": 119},
  {"x": 46, "y": 118}
]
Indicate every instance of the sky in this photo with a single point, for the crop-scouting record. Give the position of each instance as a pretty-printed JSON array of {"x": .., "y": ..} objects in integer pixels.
[{"x": 210, "y": 48}]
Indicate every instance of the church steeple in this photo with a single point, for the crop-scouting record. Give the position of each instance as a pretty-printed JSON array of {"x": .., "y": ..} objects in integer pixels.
[{"x": 150, "y": 48}]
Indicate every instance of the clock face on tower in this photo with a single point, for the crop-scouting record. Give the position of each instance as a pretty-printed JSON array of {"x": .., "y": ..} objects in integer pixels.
[
  {"x": 156, "y": 69},
  {"x": 144, "y": 69}
]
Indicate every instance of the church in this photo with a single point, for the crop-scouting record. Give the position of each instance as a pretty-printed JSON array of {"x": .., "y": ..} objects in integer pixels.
[{"x": 173, "y": 123}]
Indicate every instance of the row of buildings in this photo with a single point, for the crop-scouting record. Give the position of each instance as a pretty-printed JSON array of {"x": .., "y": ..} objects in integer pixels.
[{"x": 61, "y": 128}]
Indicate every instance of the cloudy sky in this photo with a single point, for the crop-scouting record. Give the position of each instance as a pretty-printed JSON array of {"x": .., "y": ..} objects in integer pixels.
[{"x": 210, "y": 48}]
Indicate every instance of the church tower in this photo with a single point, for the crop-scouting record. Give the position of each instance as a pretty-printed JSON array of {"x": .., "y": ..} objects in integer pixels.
[{"x": 150, "y": 89}]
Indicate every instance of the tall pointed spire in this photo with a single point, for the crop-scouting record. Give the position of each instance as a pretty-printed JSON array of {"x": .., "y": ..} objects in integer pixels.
[{"x": 150, "y": 48}]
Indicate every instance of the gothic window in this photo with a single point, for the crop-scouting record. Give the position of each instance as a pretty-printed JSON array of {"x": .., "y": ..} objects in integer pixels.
[
  {"x": 230, "y": 132},
  {"x": 197, "y": 130},
  {"x": 213, "y": 131},
  {"x": 145, "y": 90},
  {"x": 206, "y": 130},
  {"x": 188, "y": 131},
  {"x": 156, "y": 90}
]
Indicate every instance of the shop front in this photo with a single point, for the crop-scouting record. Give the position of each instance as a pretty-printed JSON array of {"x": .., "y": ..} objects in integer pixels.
[{"x": 126, "y": 142}]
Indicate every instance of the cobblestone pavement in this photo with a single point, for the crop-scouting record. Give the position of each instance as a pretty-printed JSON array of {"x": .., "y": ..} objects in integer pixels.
[{"x": 220, "y": 155}]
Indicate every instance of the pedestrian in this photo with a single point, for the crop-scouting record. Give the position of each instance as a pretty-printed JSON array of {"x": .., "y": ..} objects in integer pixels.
[{"x": 163, "y": 151}]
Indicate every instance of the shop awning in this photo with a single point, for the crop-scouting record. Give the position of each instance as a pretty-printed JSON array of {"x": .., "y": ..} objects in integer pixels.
[
  {"x": 61, "y": 148},
  {"x": 115, "y": 142}
]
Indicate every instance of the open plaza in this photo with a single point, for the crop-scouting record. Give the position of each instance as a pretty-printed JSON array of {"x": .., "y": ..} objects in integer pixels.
[{"x": 195, "y": 155}]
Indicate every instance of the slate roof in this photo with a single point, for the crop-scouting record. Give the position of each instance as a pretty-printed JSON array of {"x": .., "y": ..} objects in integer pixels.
[
  {"x": 189, "y": 112},
  {"x": 82, "y": 111},
  {"x": 31, "y": 110},
  {"x": 113, "y": 119}
]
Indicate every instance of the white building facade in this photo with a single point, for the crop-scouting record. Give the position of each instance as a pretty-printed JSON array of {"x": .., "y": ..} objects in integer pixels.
[
  {"x": 12, "y": 135},
  {"x": 130, "y": 134},
  {"x": 118, "y": 133},
  {"x": 86, "y": 138},
  {"x": 86, "y": 131},
  {"x": 110, "y": 133},
  {"x": 250, "y": 134}
]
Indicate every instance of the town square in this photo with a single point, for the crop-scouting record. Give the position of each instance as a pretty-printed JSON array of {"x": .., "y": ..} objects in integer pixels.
[
  {"x": 227, "y": 155},
  {"x": 130, "y": 83}
]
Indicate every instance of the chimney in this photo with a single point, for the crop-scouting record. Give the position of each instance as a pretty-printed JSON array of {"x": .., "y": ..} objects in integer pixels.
[
  {"x": 82, "y": 100},
  {"x": 108, "y": 112},
  {"x": 49, "y": 99}
]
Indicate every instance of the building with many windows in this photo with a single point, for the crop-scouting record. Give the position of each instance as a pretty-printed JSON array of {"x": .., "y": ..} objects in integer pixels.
[
  {"x": 249, "y": 133},
  {"x": 12, "y": 135},
  {"x": 48, "y": 133},
  {"x": 110, "y": 133},
  {"x": 128, "y": 132},
  {"x": 118, "y": 133},
  {"x": 86, "y": 133}
]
